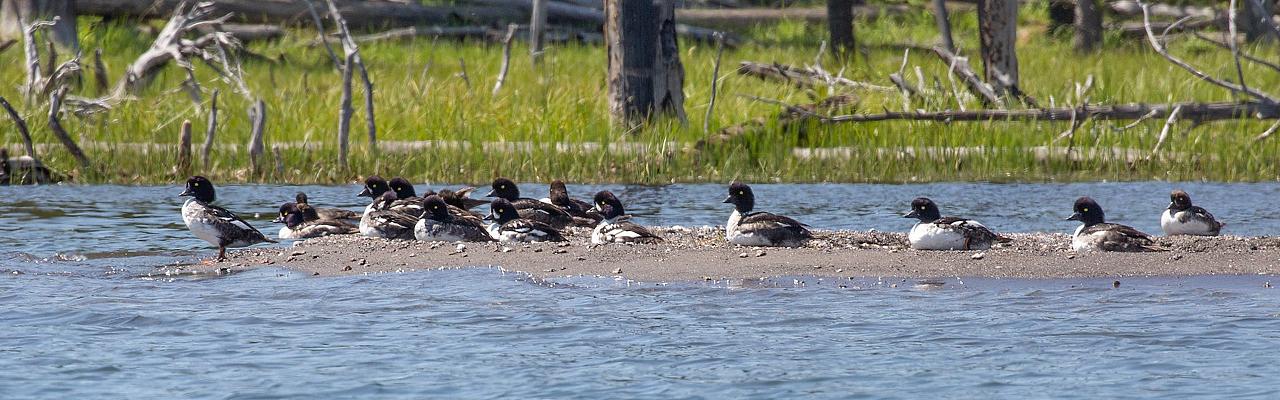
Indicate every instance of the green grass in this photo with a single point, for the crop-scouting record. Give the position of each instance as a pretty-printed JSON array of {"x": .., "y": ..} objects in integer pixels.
[{"x": 420, "y": 97}]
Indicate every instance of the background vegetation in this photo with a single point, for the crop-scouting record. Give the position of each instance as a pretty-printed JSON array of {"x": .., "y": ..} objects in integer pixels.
[{"x": 560, "y": 106}]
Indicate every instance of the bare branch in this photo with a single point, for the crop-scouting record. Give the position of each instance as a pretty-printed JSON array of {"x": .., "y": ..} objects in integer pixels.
[
  {"x": 1164, "y": 133},
  {"x": 1159, "y": 48}
]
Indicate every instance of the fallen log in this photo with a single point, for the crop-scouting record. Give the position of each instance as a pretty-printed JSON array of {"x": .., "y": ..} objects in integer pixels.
[
  {"x": 959, "y": 66},
  {"x": 740, "y": 17},
  {"x": 802, "y": 77},
  {"x": 248, "y": 32},
  {"x": 790, "y": 116},
  {"x": 372, "y": 13},
  {"x": 1131, "y": 8},
  {"x": 569, "y": 13},
  {"x": 1192, "y": 111}
]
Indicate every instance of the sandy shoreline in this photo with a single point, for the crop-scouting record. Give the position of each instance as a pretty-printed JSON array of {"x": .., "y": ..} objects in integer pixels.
[{"x": 702, "y": 254}]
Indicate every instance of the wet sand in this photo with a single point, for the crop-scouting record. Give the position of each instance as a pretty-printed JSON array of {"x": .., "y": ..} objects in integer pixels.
[{"x": 702, "y": 254}]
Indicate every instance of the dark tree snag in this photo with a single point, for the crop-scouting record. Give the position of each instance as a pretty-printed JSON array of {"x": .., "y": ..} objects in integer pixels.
[
  {"x": 15, "y": 14},
  {"x": 275, "y": 152},
  {"x": 55, "y": 125},
  {"x": 315, "y": 19},
  {"x": 645, "y": 75},
  {"x": 258, "y": 118},
  {"x": 210, "y": 130},
  {"x": 840, "y": 28},
  {"x": 183, "y": 166},
  {"x": 998, "y": 31},
  {"x": 1088, "y": 26},
  {"x": 99, "y": 72},
  {"x": 1191, "y": 111},
  {"x": 1061, "y": 14},
  {"x": 344, "y": 113},
  {"x": 802, "y": 77},
  {"x": 537, "y": 29},
  {"x": 1255, "y": 20},
  {"x": 22, "y": 129},
  {"x": 506, "y": 58},
  {"x": 943, "y": 20},
  {"x": 354, "y": 61}
]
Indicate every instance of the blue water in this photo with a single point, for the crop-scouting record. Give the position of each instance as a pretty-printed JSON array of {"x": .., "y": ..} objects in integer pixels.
[{"x": 83, "y": 313}]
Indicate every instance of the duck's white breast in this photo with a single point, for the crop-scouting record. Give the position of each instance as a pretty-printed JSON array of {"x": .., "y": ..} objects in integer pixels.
[
  {"x": 200, "y": 222},
  {"x": 929, "y": 236},
  {"x": 1172, "y": 226}
]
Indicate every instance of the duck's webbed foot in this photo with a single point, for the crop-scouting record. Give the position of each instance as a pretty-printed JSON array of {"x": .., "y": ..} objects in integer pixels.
[{"x": 222, "y": 253}]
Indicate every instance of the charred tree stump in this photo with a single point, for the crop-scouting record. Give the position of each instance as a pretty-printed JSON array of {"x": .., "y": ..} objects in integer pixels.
[
  {"x": 645, "y": 77},
  {"x": 998, "y": 31},
  {"x": 1088, "y": 24},
  {"x": 840, "y": 27},
  {"x": 14, "y": 14}
]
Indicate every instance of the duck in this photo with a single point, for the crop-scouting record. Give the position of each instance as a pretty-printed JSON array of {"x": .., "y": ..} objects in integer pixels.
[
  {"x": 326, "y": 213},
  {"x": 214, "y": 224},
  {"x": 301, "y": 221},
  {"x": 386, "y": 221},
  {"x": 935, "y": 232},
  {"x": 438, "y": 224},
  {"x": 1183, "y": 218},
  {"x": 530, "y": 209},
  {"x": 760, "y": 228},
  {"x": 506, "y": 225},
  {"x": 375, "y": 187},
  {"x": 615, "y": 226},
  {"x": 461, "y": 198},
  {"x": 406, "y": 192},
  {"x": 1095, "y": 234},
  {"x": 581, "y": 211}
]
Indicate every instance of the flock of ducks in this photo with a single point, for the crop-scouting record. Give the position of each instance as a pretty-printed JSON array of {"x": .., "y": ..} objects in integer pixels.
[{"x": 396, "y": 211}]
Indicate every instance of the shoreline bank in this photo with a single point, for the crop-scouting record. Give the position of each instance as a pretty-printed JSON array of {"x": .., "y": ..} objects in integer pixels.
[{"x": 701, "y": 254}]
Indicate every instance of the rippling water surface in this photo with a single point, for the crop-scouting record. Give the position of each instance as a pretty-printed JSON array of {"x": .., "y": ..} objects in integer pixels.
[{"x": 82, "y": 314}]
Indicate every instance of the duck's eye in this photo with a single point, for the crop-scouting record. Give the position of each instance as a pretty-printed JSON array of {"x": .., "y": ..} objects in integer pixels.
[
  {"x": 286, "y": 213},
  {"x": 195, "y": 184},
  {"x": 742, "y": 193},
  {"x": 921, "y": 208},
  {"x": 1085, "y": 209},
  {"x": 502, "y": 186}
]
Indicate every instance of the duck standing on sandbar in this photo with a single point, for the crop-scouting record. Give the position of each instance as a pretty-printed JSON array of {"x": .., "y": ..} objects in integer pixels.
[
  {"x": 935, "y": 232},
  {"x": 760, "y": 228},
  {"x": 1183, "y": 218},
  {"x": 214, "y": 224},
  {"x": 1095, "y": 234}
]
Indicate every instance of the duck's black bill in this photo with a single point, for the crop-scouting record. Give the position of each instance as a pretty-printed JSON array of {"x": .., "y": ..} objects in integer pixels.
[
  {"x": 1075, "y": 217},
  {"x": 491, "y": 194},
  {"x": 278, "y": 220},
  {"x": 186, "y": 192},
  {"x": 728, "y": 199},
  {"x": 365, "y": 192},
  {"x": 489, "y": 218},
  {"x": 912, "y": 214}
]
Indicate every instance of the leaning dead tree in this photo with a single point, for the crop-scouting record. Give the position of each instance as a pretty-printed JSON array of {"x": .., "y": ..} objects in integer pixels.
[{"x": 171, "y": 44}]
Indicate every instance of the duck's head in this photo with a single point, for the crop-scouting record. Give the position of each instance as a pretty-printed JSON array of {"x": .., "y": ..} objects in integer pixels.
[
  {"x": 435, "y": 205},
  {"x": 402, "y": 187},
  {"x": 374, "y": 186},
  {"x": 200, "y": 188},
  {"x": 451, "y": 198},
  {"x": 1087, "y": 211},
  {"x": 292, "y": 214},
  {"x": 741, "y": 197},
  {"x": 504, "y": 188},
  {"x": 501, "y": 211},
  {"x": 383, "y": 201},
  {"x": 607, "y": 205},
  {"x": 924, "y": 210},
  {"x": 300, "y": 198},
  {"x": 1179, "y": 200}
]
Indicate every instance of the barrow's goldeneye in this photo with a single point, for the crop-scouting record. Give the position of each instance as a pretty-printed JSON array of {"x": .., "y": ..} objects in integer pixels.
[
  {"x": 508, "y": 226},
  {"x": 1183, "y": 218},
  {"x": 615, "y": 226},
  {"x": 935, "y": 232},
  {"x": 214, "y": 224},
  {"x": 440, "y": 225},
  {"x": 1095, "y": 234},
  {"x": 530, "y": 209},
  {"x": 760, "y": 228}
]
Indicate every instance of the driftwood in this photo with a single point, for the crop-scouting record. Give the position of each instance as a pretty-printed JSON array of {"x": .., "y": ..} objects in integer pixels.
[
  {"x": 247, "y": 32},
  {"x": 1157, "y": 43},
  {"x": 802, "y": 77},
  {"x": 506, "y": 58},
  {"x": 959, "y": 66},
  {"x": 352, "y": 51},
  {"x": 183, "y": 165},
  {"x": 26, "y": 169},
  {"x": 171, "y": 45},
  {"x": 1131, "y": 8},
  {"x": 210, "y": 129},
  {"x": 727, "y": 18},
  {"x": 432, "y": 31},
  {"x": 22, "y": 129},
  {"x": 1192, "y": 111},
  {"x": 1246, "y": 56},
  {"x": 359, "y": 14},
  {"x": 55, "y": 125}
]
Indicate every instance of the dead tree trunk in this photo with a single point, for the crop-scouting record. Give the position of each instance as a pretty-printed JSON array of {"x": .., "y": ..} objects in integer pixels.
[
  {"x": 1088, "y": 26},
  {"x": 840, "y": 27},
  {"x": 1061, "y": 14},
  {"x": 14, "y": 14},
  {"x": 1255, "y": 20},
  {"x": 998, "y": 31},
  {"x": 537, "y": 29},
  {"x": 943, "y": 20},
  {"x": 645, "y": 74}
]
